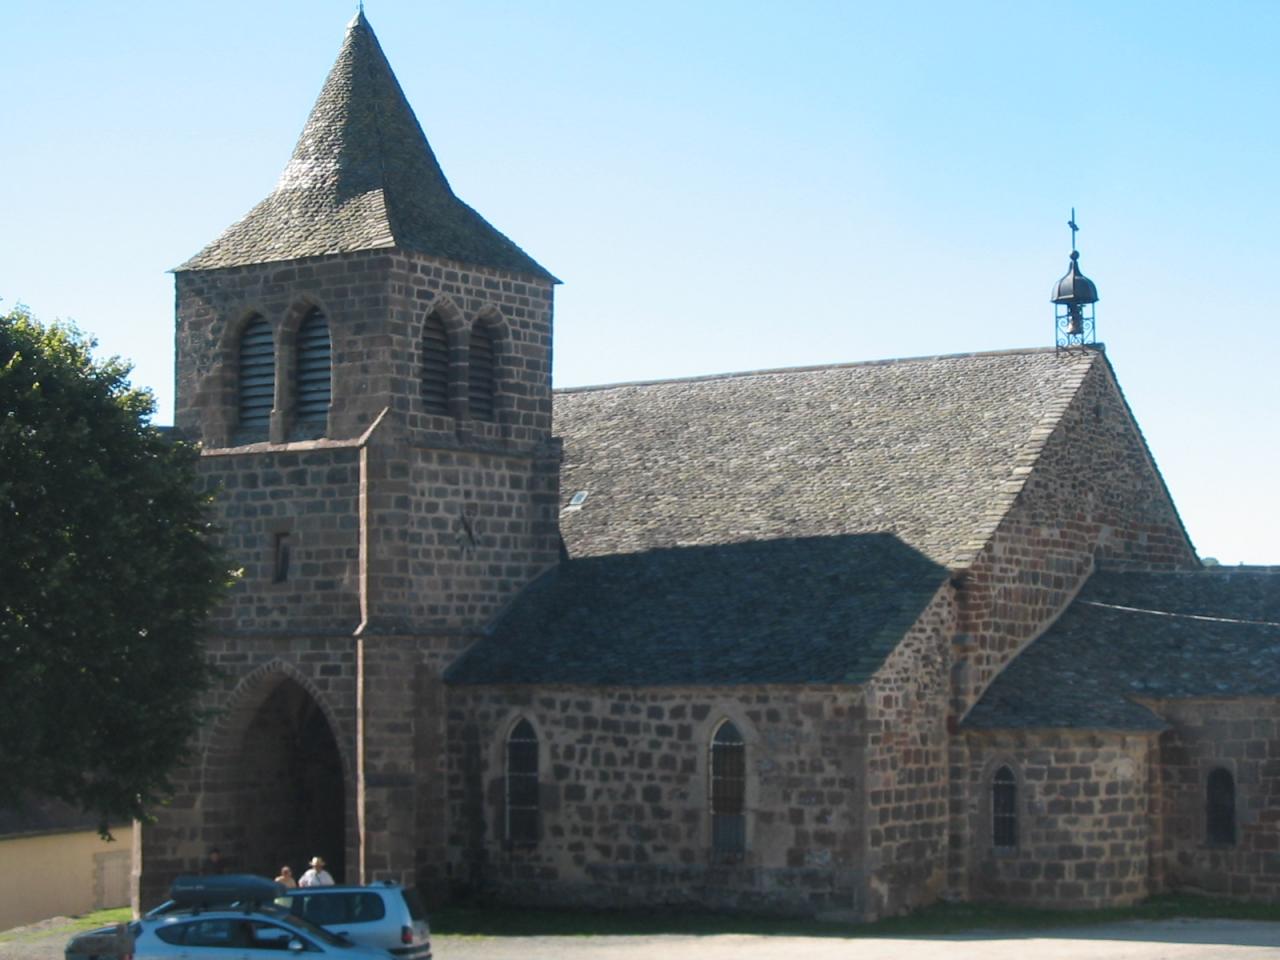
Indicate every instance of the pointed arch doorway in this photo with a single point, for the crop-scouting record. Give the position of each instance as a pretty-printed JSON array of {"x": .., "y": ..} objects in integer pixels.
[{"x": 284, "y": 799}]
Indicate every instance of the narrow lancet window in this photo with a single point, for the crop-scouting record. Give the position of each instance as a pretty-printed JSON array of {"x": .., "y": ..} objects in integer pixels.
[
  {"x": 435, "y": 366},
  {"x": 480, "y": 374},
  {"x": 728, "y": 791},
  {"x": 315, "y": 380},
  {"x": 522, "y": 784},
  {"x": 257, "y": 386}
]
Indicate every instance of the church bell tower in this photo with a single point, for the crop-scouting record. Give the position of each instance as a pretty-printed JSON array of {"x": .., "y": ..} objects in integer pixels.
[{"x": 366, "y": 362}]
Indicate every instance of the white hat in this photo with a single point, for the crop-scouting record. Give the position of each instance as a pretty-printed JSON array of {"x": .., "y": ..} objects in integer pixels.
[{"x": 317, "y": 861}]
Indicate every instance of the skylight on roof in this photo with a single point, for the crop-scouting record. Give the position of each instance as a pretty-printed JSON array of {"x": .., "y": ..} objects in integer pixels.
[{"x": 576, "y": 501}]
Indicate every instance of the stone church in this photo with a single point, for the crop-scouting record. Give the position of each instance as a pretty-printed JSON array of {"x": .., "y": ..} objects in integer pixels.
[{"x": 840, "y": 640}]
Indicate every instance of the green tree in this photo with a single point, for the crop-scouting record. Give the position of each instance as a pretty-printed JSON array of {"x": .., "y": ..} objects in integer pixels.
[{"x": 107, "y": 572}]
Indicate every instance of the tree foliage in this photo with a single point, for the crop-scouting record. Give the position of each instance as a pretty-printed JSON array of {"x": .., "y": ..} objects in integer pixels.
[{"x": 106, "y": 575}]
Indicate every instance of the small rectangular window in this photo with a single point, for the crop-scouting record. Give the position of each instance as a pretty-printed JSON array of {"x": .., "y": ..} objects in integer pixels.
[
  {"x": 1004, "y": 809},
  {"x": 280, "y": 558}
]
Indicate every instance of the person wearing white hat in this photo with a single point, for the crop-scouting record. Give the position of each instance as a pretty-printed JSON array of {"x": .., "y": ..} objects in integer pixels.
[{"x": 317, "y": 876}]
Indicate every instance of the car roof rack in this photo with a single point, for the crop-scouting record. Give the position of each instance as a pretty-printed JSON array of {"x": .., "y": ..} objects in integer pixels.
[{"x": 222, "y": 890}]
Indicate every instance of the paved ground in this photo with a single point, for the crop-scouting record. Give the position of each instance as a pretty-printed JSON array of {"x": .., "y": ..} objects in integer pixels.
[
  {"x": 1169, "y": 940},
  {"x": 1135, "y": 940}
]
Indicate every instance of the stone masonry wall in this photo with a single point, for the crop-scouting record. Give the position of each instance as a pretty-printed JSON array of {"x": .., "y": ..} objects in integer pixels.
[
  {"x": 514, "y": 310},
  {"x": 906, "y": 763},
  {"x": 309, "y": 493},
  {"x": 407, "y": 531},
  {"x": 455, "y": 533},
  {"x": 1088, "y": 494},
  {"x": 1243, "y": 736},
  {"x": 1084, "y": 824},
  {"x": 403, "y": 755},
  {"x": 376, "y": 304},
  {"x": 205, "y": 811},
  {"x": 624, "y": 798},
  {"x": 460, "y": 513}
]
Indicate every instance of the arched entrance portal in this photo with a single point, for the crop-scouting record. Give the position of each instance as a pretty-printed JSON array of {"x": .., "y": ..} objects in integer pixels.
[{"x": 289, "y": 800}]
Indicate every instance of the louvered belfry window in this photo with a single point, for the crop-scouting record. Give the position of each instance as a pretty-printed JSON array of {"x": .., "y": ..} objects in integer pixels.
[
  {"x": 315, "y": 377},
  {"x": 257, "y": 374},
  {"x": 435, "y": 366},
  {"x": 522, "y": 784},
  {"x": 728, "y": 791},
  {"x": 1220, "y": 807},
  {"x": 1004, "y": 809},
  {"x": 480, "y": 374}
]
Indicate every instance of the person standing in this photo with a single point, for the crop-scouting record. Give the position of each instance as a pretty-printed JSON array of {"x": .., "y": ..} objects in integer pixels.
[
  {"x": 317, "y": 876},
  {"x": 286, "y": 877}
]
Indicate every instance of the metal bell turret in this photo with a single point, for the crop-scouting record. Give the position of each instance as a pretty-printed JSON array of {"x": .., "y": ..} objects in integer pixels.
[{"x": 1073, "y": 298}]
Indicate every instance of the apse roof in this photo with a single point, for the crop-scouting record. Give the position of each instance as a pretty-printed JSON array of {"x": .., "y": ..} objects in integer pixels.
[
  {"x": 1131, "y": 639},
  {"x": 363, "y": 177}
]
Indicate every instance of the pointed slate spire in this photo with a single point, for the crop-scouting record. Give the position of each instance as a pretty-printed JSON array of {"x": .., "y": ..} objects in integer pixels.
[{"x": 363, "y": 177}]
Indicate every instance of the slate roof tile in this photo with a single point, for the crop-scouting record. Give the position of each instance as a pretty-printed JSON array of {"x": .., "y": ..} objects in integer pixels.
[
  {"x": 822, "y": 610},
  {"x": 931, "y": 450},
  {"x": 363, "y": 177},
  {"x": 1134, "y": 638},
  {"x": 784, "y": 526}
]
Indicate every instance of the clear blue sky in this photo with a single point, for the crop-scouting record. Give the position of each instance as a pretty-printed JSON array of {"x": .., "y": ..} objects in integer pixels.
[{"x": 724, "y": 185}]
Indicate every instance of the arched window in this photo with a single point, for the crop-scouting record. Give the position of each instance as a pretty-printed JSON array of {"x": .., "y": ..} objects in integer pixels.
[
  {"x": 728, "y": 790},
  {"x": 1004, "y": 808},
  {"x": 257, "y": 387},
  {"x": 522, "y": 784},
  {"x": 314, "y": 369},
  {"x": 480, "y": 374},
  {"x": 1220, "y": 807},
  {"x": 435, "y": 366}
]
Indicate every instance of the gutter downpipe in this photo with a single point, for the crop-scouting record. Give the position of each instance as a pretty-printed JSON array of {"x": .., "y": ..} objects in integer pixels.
[{"x": 362, "y": 566}]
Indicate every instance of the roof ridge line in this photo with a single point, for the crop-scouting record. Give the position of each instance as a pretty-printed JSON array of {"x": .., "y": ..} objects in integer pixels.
[
  {"x": 1024, "y": 461},
  {"x": 358, "y": 22},
  {"x": 1150, "y": 457},
  {"x": 1182, "y": 616},
  {"x": 805, "y": 368}
]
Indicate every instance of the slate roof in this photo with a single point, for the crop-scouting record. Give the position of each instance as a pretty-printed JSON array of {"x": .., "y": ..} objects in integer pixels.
[
  {"x": 821, "y": 610},
  {"x": 363, "y": 177},
  {"x": 1149, "y": 636},
  {"x": 931, "y": 450},
  {"x": 783, "y": 526}
]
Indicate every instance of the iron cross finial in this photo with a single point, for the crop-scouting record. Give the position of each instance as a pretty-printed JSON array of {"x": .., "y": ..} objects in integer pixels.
[{"x": 1072, "y": 224}]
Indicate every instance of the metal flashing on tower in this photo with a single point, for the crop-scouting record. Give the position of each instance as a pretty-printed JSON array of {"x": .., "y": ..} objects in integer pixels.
[{"x": 1073, "y": 297}]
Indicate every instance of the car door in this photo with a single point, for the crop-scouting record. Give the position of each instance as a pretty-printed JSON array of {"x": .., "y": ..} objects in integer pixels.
[
  {"x": 270, "y": 941},
  {"x": 208, "y": 938}
]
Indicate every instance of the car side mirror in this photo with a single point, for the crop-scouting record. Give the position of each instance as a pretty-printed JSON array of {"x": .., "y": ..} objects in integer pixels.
[{"x": 295, "y": 945}]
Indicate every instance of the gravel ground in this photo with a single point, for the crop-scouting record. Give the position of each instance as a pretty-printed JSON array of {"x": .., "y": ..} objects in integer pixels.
[{"x": 1133, "y": 940}]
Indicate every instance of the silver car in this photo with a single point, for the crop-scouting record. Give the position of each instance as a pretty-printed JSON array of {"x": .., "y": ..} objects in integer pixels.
[
  {"x": 264, "y": 933},
  {"x": 383, "y": 915}
]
